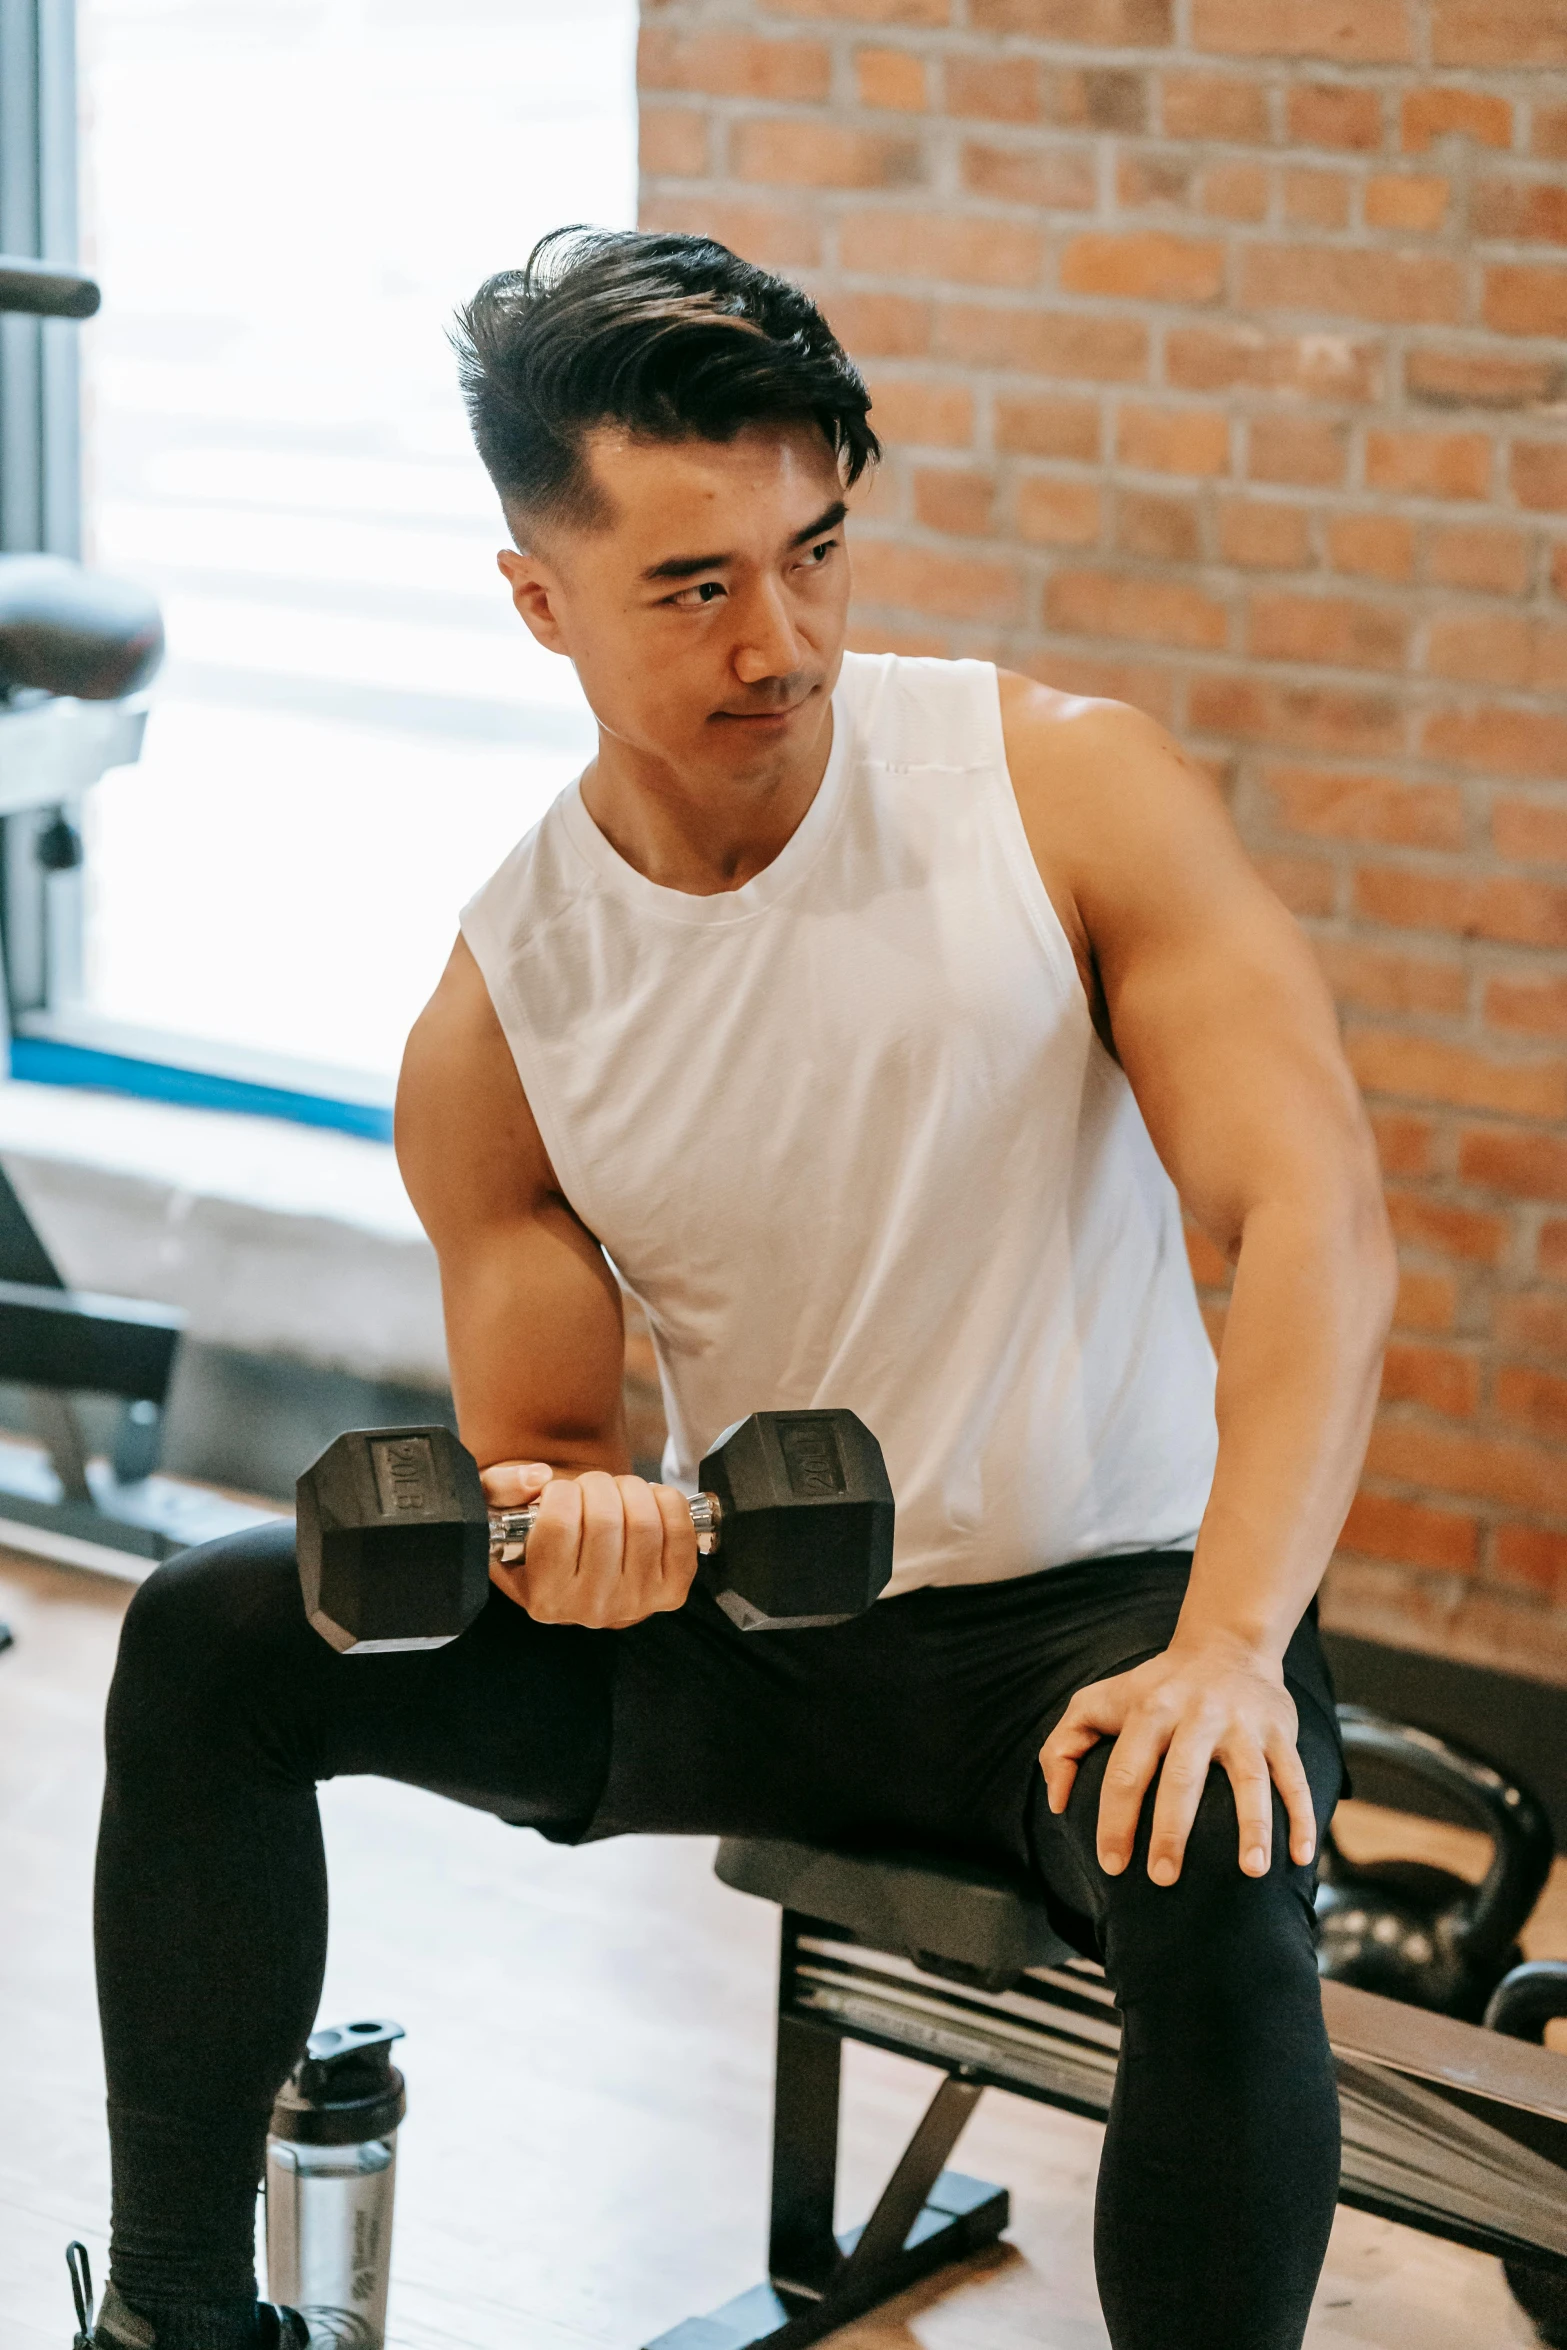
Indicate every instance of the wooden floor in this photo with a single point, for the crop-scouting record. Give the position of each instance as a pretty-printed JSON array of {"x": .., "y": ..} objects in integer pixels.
[{"x": 588, "y": 2060}]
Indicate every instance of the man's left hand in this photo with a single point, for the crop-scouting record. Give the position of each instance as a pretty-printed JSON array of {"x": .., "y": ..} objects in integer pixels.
[{"x": 1187, "y": 1709}]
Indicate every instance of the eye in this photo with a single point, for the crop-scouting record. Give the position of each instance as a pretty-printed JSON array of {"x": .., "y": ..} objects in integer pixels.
[
  {"x": 692, "y": 599},
  {"x": 818, "y": 554}
]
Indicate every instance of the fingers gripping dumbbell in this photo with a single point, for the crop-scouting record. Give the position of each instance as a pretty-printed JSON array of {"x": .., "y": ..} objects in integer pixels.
[{"x": 395, "y": 1535}]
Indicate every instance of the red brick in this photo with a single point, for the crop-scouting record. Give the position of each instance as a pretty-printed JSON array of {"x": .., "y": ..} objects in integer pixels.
[
  {"x": 1315, "y": 198},
  {"x": 1234, "y": 191},
  {"x": 1499, "y": 648},
  {"x": 929, "y": 13},
  {"x": 1335, "y": 719},
  {"x": 894, "y": 79},
  {"x": 1305, "y": 450},
  {"x": 1355, "y": 281},
  {"x": 1492, "y": 1468},
  {"x": 1552, "y": 1246},
  {"x": 1334, "y": 114},
  {"x": 1106, "y": 24},
  {"x": 1458, "y": 378},
  {"x": 1443, "y": 113},
  {"x": 1367, "y": 807},
  {"x": 1525, "y": 298},
  {"x": 1382, "y": 1527},
  {"x": 1539, "y": 475},
  {"x": 1105, "y": 677},
  {"x": 718, "y": 64},
  {"x": 1378, "y": 979},
  {"x": 882, "y": 326},
  {"x": 1149, "y": 265},
  {"x": 959, "y": 499},
  {"x": 1101, "y": 98},
  {"x": 672, "y": 141},
  {"x": 1438, "y": 1377},
  {"x": 1160, "y": 529},
  {"x": 913, "y": 410},
  {"x": 1003, "y": 88},
  {"x": 1425, "y": 1068},
  {"x": 1307, "y": 885},
  {"x": 1155, "y": 175},
  {"x": 1230, "y": 358},
  {"x": 1173, "y": 440},
  {"x": 944, "y": 585},
  {"x": 1403, "y": 1142},
  {"x": 1531, "y": 1321},
  {"x": 1532, "y": 831},
  {"x": 1042, "y": 426},
  {"x": 1262, "y": 534},
  {"x": 1214, "y": 106},
  {"x": 1533, "y": 1400},
  {"x": 1374, "y": 546},
  {"x": 1499, "y": 740},
  {"x": 1426, "y": 1301},
  {"x": 1510, "y": 33},
  {"x": 1373, "y": 32},
  {"x": 893, "y": 242},
  {"x": 1429, "y": 464},
  {"x": 1149, "y": 611},
  {"x": 1480, "y": 555},
  {"x": 1536, "y": 1006},
  {"x": 1549, "y": 131},
  {"x": 1340, "y": 631},
  {"x": 1520, "y": 913},
  {"x": 1526, "y": 1166},
  {"x": 787, "y": 152},
  {"x": 1531, "y": 1558},
  {"x": 1073, "y": 344},
  {"x": 776, "y": 235},
  {"x": 1048, "y": 178},
  {"x": 1413, "y": 202},
  {"x": 1520, "y": 210},
  {"x": 910, "y": 644},
  {"x": 1052, "y": 512}
]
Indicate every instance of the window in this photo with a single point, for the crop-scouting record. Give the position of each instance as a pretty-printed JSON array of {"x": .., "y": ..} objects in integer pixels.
[{"x": 284, "y": 200}]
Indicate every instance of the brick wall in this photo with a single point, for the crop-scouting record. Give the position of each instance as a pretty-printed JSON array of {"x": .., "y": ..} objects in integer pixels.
[{"x": 1220, "y": 349}]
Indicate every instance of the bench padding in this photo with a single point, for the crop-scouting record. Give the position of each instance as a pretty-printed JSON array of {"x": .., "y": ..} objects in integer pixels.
[{"x": 955, "y": 1912}]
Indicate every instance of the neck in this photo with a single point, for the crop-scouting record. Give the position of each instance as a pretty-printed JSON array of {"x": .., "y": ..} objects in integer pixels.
[{"x": 700, "y": 833}]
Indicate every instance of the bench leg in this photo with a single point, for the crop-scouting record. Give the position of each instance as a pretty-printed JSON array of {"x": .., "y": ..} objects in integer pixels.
[{"x": 925, "y": 2217}]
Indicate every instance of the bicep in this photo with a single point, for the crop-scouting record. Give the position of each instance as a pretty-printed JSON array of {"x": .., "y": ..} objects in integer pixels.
[{"x": 535, "y": 1337}]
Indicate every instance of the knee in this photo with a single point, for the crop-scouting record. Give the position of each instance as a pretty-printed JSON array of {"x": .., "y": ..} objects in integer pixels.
[{"x": 199, "y": 1628}]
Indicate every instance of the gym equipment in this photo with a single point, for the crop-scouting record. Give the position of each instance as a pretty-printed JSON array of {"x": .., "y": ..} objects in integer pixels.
[
  {"x": 794, "y": 1526},
  {"x": 1447, "y": 2128},
  {"x": 1413, "y": 1932},
  {"x": 74, "y": 649},
  {"x": 1522, "y": 2004},
  {"x": 331, "y": 2175}
]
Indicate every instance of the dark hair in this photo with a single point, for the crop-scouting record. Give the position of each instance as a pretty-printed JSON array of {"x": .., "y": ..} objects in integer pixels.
[{"x": 672, "y": 337}]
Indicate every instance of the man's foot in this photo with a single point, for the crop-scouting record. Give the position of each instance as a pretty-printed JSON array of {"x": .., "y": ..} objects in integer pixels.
[{"x": 116, "y": 2327}]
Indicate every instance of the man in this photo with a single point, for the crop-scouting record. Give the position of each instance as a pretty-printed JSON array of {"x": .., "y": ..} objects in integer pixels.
[{"x": 865, "y": 1018}]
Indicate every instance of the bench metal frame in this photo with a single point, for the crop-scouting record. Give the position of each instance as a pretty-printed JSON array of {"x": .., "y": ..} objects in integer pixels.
[{"x": 1447, "y": 2128}]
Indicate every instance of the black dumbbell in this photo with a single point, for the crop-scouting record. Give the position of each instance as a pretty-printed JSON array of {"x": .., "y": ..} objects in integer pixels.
[{"x": 395, "y": 1535}]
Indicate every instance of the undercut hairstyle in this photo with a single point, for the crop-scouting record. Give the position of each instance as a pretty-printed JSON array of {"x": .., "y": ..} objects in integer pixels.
[{"x": 671, "y": 338}]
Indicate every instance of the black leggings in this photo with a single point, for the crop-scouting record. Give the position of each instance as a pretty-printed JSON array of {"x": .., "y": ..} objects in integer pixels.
[{"x": 917, "y": 1725}]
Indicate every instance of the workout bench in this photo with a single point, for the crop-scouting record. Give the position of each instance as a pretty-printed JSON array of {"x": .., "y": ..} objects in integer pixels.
[{"x": 1447, "y": 2128}]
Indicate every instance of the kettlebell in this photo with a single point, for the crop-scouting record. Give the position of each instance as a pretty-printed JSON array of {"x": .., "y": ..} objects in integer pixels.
[
  {"x": 1522, "y": 2004},
  {"x": 1421, "y": 1934}
]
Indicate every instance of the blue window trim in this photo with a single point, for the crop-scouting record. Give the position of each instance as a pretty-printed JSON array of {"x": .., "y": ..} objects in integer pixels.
[{"x": 44, "y": 1060}]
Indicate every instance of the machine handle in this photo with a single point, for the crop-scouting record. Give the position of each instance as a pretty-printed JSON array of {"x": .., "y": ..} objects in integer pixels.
[
  {"x": 509, "y": 1529},
  {"x": 1528, "y": 1999},
  {"x": 45, "y": 289}
]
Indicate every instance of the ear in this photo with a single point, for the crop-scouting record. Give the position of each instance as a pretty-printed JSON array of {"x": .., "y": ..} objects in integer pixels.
[{"x": 535, "y": 591}]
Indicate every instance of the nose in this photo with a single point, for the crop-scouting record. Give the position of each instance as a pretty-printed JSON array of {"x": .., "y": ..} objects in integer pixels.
[{"x": 768, "y": 643}]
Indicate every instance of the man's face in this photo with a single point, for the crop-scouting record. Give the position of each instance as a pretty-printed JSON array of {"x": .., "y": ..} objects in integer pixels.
[{"x": 706, "y": 613}]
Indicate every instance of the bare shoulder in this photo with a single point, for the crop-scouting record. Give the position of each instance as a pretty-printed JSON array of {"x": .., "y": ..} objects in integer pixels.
[{"x": 467, "y": 1143}]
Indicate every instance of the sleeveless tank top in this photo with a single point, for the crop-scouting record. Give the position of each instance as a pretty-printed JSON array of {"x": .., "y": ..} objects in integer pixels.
[{"x": 850, "y": 1137}]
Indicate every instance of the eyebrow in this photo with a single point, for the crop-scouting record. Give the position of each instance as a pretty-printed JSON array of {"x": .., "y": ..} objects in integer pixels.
[{"x": 689, "y": 566}]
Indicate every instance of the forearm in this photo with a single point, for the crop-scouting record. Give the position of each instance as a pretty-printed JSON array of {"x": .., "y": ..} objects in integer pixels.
[{"x": 1298, "y": 1376}]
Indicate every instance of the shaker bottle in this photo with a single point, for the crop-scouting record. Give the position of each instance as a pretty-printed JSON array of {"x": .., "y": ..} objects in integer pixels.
[{"x": 331, "y": 2168}]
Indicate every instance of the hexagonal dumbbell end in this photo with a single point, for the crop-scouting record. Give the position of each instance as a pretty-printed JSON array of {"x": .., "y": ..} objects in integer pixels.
[
  {"x": 807, "y": 1520},
  {"x": 393, "y": 1540}
]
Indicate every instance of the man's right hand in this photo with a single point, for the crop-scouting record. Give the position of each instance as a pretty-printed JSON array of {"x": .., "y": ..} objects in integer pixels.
[{"x": 604, "y": 1551}]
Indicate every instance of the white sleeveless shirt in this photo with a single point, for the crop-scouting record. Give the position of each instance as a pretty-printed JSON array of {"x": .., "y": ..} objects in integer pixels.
[{"x": 849, "y": 1135}]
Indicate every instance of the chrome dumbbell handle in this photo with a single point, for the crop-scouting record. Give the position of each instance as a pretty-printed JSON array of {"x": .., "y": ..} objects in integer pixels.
[{"x": 509, "y": 1529}]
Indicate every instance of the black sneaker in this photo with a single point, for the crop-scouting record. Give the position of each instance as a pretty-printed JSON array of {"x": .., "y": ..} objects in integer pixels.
[{"x": 114, "y": 2327}]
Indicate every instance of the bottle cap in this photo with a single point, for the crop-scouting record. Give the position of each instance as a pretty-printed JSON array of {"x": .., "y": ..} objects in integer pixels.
[{"x": 345, "y": 2090}]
